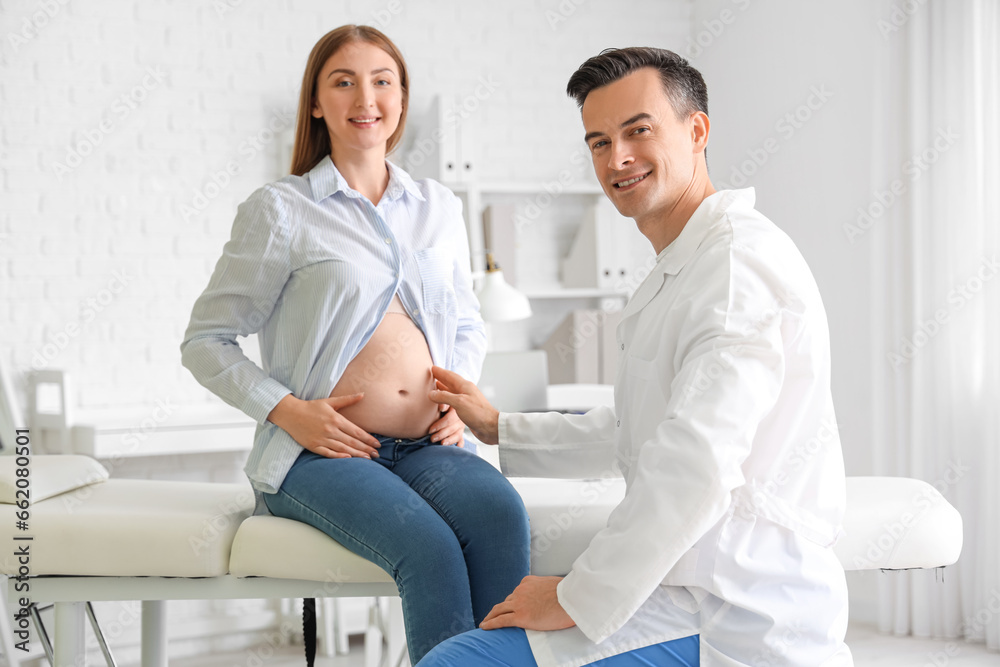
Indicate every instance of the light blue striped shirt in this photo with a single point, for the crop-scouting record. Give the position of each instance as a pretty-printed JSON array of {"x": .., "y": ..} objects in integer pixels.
[{"x": 311, "y": 268}]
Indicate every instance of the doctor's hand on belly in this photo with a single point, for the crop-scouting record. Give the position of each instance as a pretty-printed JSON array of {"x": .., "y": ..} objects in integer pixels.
[
  {"x": 470, "y": 404},
  {"x": 319, "y": 427}
]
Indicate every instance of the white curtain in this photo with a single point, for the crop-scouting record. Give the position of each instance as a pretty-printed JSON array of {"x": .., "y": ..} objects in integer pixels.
[{"x": 933, "y": 228}]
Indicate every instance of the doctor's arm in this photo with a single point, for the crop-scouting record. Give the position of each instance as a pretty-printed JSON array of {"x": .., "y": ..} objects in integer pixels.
[
  {"x": 535, "y": 444},
  {"x": 729, "y": 377}
]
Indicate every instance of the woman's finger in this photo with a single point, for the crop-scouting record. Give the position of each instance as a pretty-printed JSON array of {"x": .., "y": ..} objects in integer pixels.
[
  {"x": 338, "y": 402},
  {"x": 329, "y": 453}
]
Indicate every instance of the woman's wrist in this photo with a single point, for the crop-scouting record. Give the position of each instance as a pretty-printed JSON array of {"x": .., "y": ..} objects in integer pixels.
[{"x": 282, "y": 413}]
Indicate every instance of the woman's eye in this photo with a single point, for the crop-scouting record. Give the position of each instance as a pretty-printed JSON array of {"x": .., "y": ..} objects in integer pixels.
[
  {"x": 342, "y": 84},
  {"x": 382, "y": 82}
]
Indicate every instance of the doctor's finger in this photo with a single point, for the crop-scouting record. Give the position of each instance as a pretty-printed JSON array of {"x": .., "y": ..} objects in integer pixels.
[
  {"x": 502, "y": 621},
  {"x": 446, "y": 397},
  {"x": 450, "y": 378},
  {"x": 504, "y": 607}
]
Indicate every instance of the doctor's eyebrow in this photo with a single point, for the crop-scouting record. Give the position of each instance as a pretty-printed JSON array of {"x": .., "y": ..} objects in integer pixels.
[
  {"x": 634, "y": 119},
  {"x": 353, "y": 73}
]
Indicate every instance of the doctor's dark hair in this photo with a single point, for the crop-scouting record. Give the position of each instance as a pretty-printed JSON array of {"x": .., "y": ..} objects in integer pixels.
[
  {"x": 683, "y": 84},
  {"x": 312, "y": 138}
]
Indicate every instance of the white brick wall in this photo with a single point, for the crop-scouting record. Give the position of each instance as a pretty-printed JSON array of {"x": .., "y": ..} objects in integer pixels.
[{"x": 116, "y": 115}]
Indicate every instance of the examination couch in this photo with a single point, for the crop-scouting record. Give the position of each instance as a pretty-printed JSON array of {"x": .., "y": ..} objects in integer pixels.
[{"x": 90, "y": 538}]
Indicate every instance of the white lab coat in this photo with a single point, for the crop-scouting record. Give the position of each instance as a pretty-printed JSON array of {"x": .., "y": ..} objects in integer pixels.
[{"x": 725, "y": 433}]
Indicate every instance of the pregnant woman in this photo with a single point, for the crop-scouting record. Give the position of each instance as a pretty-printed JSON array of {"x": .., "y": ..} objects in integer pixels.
[{"x": 356, "y": 279}]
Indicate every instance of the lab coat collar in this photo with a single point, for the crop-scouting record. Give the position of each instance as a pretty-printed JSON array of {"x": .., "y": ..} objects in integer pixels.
[
  {"x": 672, "y": 259},
  {"x": 325, "y": 179}
]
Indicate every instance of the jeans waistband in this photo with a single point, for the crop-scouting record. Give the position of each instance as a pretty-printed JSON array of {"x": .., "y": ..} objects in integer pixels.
[{"x": 402, "y": 442}]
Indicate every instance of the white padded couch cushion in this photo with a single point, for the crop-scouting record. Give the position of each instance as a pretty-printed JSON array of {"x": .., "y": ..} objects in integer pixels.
[
  {"x": 50, "y": 476},
  {"x": 564, "y": 514},
  {"x": 269, "y": 546},
  {"x": 127, "y": 527},
  {"x": 897, "y": 523},
  {"x": 890, "y": 523}
]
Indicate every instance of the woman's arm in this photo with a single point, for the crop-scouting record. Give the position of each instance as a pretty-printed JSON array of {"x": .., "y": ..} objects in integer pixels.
[
  {"x": 239, "y": 299},
  {"x": 470, "y": 335}
]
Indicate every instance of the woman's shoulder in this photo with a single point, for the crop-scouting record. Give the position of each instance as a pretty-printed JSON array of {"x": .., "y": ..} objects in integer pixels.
[
  {"x": 430, "y": 189},
  {"x": 279, "y": 194},
  {"x": 437, "y": 194}
]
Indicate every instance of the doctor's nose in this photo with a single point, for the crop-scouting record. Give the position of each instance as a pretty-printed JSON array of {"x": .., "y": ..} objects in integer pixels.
[{"x": 620, "y": 157}]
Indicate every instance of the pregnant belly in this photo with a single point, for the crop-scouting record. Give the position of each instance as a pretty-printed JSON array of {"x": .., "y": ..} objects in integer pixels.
[{"x": 394, "y": 372}]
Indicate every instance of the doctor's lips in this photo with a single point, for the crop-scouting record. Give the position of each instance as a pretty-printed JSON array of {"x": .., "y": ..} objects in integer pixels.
[{"x": 626, "y": 183}]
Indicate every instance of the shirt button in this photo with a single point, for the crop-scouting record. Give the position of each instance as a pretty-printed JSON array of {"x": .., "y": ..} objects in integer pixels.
[
  {"x": 388, "y": 240},
  {"x": 416, "y": 311}
]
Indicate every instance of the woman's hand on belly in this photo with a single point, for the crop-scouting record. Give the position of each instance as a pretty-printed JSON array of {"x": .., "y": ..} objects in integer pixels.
[
  {"x": 319, "y": 427},
  {"x": 449, "y": 430}
]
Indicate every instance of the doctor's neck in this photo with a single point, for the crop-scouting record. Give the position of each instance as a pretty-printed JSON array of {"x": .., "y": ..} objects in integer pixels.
[{"x": 664, "y": 224}]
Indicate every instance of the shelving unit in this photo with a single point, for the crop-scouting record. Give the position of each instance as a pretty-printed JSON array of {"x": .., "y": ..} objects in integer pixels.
[{"x": 474, "y": 194}]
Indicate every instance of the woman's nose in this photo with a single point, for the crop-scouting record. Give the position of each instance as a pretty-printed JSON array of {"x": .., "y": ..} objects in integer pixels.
[{"x": 365, "y": 97}]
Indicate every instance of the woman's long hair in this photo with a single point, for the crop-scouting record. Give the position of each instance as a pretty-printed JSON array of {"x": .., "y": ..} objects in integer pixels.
[{"x": 312, "y": 138}]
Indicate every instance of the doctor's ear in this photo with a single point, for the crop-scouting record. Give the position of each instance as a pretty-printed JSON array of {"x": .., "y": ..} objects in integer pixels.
[{"x": 700, "y": 126}]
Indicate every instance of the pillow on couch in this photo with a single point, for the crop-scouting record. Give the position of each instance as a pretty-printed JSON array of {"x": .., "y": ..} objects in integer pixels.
[{"x": 50, "y": 475}]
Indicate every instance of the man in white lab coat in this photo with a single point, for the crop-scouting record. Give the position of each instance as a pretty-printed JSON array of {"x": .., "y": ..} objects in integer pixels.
[{"x": 723, "y": 426}]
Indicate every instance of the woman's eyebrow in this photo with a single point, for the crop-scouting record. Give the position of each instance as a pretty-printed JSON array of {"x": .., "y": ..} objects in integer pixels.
[{"x": 352, "y": 72}]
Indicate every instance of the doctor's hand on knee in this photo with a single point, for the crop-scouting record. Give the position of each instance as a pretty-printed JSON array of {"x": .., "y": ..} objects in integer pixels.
[
  {"x": 470, "y": 404},
  {"x": 534, "y": 605},
  {"x": 319, "y": 427}
]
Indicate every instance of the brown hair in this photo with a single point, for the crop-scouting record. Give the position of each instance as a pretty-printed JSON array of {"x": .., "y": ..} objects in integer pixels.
[
  {"x": 683, "y": 84},
  {"x": 312, "y": 139}
]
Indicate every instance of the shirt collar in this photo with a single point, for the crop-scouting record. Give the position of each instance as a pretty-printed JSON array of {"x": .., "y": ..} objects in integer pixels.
[
  {"x": 673, "y": 258},
  {"x": 325, "y": 180}
]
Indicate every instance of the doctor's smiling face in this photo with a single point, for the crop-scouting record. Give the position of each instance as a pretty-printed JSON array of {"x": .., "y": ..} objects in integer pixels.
[{"x": 650, "y": 161}]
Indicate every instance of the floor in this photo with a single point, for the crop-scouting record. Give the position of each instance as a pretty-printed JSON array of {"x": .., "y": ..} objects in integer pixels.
[{"x": 870, "y": 650}]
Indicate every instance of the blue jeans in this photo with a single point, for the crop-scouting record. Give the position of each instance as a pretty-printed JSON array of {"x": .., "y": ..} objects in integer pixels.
[
  {"x": 508, "y": 647},
  {"x": 445, "y": 524}
]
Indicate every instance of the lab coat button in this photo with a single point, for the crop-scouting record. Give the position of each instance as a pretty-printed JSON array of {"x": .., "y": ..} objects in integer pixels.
[
  {"x": 619, "y": 422},
  {"x": 623, "y": 346}
]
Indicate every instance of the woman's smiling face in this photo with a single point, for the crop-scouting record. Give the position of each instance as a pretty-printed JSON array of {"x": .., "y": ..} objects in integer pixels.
[{"x": 359, "y": 97}]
